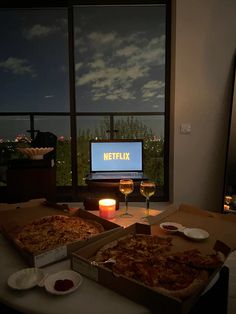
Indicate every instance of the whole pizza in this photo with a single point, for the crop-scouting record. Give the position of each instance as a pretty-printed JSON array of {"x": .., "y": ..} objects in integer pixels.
[
  {"x": 49, "y": 232},
  {"x": 149, "y": 259}
]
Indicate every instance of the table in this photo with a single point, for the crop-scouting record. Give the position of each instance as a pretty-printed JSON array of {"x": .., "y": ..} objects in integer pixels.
[
  {"x": 89, "y": 298},
  {"x": 137, "y": 212}
]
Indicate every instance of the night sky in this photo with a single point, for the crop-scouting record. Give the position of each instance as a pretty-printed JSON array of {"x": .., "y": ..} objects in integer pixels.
[{"x": 119, "y": 60}]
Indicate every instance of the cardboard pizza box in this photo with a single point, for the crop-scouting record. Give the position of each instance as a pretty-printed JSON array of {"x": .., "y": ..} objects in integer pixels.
[
  {"x": 81, "y": 261},
  {"x": 220, "y": 227},
  {"x": 30, "y": 203},
  {"x": 11, "y": 221},
  {"x": 222, "y": 238}
]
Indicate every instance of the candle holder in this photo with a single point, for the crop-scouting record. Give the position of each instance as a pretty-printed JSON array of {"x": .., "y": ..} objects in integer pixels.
[{"x": 107, "y": 208}]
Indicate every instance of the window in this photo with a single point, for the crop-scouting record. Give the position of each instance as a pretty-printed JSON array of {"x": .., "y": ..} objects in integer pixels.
[
  {"x": 34, "y": 61},
  {"x": 88, "y": 71}
]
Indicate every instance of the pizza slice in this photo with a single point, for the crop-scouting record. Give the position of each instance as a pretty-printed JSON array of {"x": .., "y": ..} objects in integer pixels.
[{"x": 199, "y": 260}]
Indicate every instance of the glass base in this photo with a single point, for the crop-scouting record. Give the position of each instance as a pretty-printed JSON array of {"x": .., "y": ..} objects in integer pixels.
[
  {"x": 126, "y": 215},
  {"x": 145, "y": 218}
]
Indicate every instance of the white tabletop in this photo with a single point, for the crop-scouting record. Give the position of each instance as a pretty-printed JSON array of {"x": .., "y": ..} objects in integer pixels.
[{"x": 89, "y": 298}]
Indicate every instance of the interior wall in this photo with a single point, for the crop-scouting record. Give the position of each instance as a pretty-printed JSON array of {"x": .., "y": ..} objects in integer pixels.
[{"x": 205, "y": 45}]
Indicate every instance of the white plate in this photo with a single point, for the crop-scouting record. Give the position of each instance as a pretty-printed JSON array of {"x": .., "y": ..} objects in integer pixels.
[
  {"x": 195, "y": 233},
  {"x": 25, "y": 278},
  {"x": 177, "y": 226},
  {"x": 61, "y": 275}
]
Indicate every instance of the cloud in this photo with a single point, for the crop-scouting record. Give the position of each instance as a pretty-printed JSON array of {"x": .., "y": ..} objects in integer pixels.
[
  {"x": 39, "y": 30},
  {"x": 112, "y": 65},
  {"x": 78, "y": 66},
  {"x": 152, "y": 90},
  {"x": 154, "y": 84},
  {"x": 17, "y": 66},
  {"x": 99, "y": 63},
  {"x": 113, "y": 94},
  {"x": 102, "y": 38},
  {"x": 127, "y": 51},
  {"x": 151, "y": 53}
]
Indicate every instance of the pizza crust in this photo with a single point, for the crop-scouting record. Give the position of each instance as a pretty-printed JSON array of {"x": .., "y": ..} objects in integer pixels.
[{"x": 196, "y": 286}]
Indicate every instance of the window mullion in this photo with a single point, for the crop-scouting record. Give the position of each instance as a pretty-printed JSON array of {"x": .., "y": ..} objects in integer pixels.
[{"x": 74, "y": 165}]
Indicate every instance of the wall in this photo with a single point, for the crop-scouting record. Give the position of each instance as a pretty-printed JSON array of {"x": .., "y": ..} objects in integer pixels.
[{"x": 205, "y": 44}]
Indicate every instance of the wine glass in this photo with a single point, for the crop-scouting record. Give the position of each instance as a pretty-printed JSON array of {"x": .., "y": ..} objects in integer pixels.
[
  {"x": 126, "y": 187},
  {"x": 147, "y": 189}
]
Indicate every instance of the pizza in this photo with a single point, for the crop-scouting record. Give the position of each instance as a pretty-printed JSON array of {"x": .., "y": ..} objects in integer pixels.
[
  {"x": 196, "y": 259},
  {"x": 149, "y": 259},
  {"x": 49, "y": 232}
]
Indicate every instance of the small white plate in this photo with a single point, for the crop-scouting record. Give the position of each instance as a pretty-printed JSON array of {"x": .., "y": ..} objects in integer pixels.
[
  {"x": 25, "y": 278},
  {"x": 171, "y": 227},
  {"x": 49, "y": 282},
  {"x": 195, "y": 233}
]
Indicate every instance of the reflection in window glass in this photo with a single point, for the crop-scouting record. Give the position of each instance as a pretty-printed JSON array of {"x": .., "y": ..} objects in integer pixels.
[
  {"x": 120, "y": 58},
  {"x": 33, "y": 60}
]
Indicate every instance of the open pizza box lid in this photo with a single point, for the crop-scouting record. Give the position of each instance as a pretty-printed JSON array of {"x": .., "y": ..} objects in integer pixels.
[
  {"x": 220, "y": 227},
  {"x": 17, "y": 215},
  {"x": 136, "y": 291}
]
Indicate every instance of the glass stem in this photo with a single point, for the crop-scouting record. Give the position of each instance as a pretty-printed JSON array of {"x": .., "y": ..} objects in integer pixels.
[
  {"x": 126, "y": 204},
  {"x": 147, "y": 206}
]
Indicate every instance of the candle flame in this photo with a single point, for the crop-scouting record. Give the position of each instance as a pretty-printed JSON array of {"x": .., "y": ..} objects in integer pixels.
[{"x": 107, "y": 202}]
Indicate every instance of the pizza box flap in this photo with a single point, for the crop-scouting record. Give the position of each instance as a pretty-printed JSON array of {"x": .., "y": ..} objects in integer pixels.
[
  {"x": 31, "y": 203},
  {"x": 221, "y": 227}
]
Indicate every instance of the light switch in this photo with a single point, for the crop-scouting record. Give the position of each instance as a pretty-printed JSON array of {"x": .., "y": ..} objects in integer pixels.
[{"x": 185, "y": 128}]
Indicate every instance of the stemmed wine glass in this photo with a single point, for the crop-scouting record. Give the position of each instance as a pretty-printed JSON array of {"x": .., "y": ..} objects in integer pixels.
[
  {"x": 126, "y": 187},
  {"x": 147, "y": 189}
]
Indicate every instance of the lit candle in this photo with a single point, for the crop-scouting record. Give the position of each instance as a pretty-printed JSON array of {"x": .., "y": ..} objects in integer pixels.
[{"x": 107, "y": 208}]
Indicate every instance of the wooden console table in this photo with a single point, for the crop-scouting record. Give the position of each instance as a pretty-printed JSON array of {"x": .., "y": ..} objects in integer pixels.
[{"x": 29, "y": 183}]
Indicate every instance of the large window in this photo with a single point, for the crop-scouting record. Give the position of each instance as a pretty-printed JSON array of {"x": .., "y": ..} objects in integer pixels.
[
  {"x": 83, "y": 72},
  {"x": 34, "y": 60}
]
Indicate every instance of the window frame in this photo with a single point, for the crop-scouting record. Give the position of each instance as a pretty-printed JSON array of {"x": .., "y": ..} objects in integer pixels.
[{"x": 73, "y": 192}]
